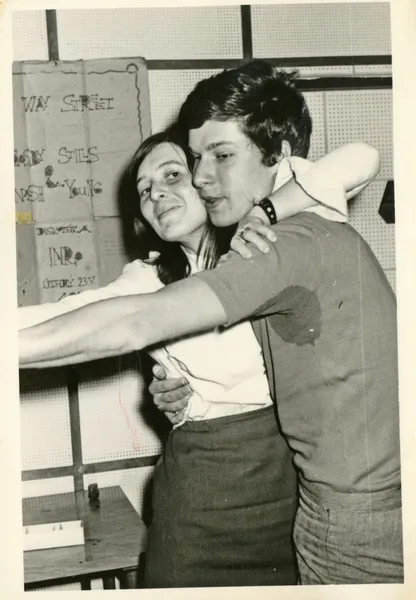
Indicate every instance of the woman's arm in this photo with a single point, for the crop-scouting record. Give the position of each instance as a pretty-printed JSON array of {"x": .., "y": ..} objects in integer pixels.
[
  {"x": 351, "y": 168},
  {"x": 121, "y": 325},
  {"x": 323, "y": 186},
  {"x": 355, "y": 165}
]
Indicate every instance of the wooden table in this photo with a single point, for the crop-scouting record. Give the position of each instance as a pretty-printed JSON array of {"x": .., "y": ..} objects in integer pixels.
[{"x": 115, "y": 539}]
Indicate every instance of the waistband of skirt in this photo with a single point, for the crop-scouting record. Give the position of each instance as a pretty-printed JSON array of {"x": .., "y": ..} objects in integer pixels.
[
  {"x": 328, "y": 498},
  {"x": 267, "y": 412}
]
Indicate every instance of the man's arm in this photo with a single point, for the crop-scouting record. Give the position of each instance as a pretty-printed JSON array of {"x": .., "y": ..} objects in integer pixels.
[
  {"x": 230, "y": 293},
  {"x": 136, "y": 278},
  {"x": 121, "y": 325}
]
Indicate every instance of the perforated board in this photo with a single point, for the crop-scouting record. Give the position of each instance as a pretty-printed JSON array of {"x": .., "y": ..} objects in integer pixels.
[
  {"x": 364, "y": 217},
  {"x": 44, "y": 419},
  {"x": 362, "y": 115},
  {"x": 112, "y": 425},
  {"x": 29, "y": 35},
  {"x": 155, "y": 33},
  {"x": 315, "y": 102},
  {"x": 344, "y": 29},
  {"x": 134, "y": 483},
  {"x": 168, "y": 89},
  {"x": 391, "y": 276}
]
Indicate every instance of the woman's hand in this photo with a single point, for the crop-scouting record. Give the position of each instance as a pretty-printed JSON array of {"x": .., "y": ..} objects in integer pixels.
[{"x": 254, "y": 228}]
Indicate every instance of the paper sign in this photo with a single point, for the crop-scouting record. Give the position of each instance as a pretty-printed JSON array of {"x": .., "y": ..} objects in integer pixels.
[{"x": 76, "y": 126}]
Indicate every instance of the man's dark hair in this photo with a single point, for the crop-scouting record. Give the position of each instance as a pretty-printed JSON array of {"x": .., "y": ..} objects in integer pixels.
[{"x": 262, "y": 99}]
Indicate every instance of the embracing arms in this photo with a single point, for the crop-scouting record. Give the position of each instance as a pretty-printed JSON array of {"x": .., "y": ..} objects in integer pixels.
[{"x": 323, "y": 186}]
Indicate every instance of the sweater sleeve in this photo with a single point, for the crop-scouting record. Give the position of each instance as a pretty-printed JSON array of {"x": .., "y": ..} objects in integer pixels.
[{"x": 275, "y": 282}]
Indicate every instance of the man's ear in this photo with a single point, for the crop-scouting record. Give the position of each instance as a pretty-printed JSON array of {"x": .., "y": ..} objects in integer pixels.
[
  {"x": 286, "y": 149},
  {"x": 285, "y": 152}
]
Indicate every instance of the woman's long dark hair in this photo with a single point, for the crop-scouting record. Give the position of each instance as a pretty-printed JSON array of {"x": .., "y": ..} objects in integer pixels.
[{"x": 172, "y": 263}]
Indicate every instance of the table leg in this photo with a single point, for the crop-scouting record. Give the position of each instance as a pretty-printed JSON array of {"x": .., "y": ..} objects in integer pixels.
[
  {"x": 109, "y": 582},
  {"x": 85, "y": 584},
  {"x": 128, "y": 580}
]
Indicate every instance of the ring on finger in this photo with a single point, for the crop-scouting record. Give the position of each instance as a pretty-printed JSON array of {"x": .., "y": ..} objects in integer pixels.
[{"x": 242, "y": 230}]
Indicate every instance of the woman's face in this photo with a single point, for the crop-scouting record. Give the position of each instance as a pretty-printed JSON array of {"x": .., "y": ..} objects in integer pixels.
[{"x": 168, "y": 200}]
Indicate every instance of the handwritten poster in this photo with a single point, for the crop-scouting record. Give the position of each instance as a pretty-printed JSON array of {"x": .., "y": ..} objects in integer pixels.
[{"x": 76, "y": 127}]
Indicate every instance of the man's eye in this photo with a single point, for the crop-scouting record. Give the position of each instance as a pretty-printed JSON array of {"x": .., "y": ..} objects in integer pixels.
[{"x": 223, "y": 156}]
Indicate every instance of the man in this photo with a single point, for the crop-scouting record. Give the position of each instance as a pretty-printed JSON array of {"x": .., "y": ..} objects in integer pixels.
[{"x": 329, "y": 341}]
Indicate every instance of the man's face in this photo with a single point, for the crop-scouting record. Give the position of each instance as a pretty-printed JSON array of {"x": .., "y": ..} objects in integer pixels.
[{"x": 228, "y": 172}]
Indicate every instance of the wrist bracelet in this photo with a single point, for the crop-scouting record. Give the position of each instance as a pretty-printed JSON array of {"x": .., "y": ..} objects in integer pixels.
[{"x": 268, "y": 208}]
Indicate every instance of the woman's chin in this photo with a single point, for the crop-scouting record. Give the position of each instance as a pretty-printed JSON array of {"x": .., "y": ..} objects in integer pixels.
[{"x": 172, "y": 234}]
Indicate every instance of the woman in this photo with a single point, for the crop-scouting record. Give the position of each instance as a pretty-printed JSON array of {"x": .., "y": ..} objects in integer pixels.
[{"x": 223, "y": 517}]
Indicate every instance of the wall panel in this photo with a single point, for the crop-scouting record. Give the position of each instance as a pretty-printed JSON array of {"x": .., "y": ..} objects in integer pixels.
[
  {"x": 111, "y": 412},
  {"x": 362, "y": 115},
  {"x": 153, "y": 33},
  {"x": 29, "y": 35},
  {"x": 168, "y": 89},
  {"x": 344, "y": 29},
  {"x": 45, "y": 427}
]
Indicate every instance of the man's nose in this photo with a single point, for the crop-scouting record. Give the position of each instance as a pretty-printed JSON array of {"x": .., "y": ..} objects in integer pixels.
[{"x": 202, "y": 174}]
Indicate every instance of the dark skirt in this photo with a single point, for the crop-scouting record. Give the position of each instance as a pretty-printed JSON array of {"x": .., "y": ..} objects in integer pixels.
[{"x": 224, "y": 500}]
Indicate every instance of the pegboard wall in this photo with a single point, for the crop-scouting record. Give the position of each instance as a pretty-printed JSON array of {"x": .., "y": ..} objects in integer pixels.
[
  {"x": 174, "y": 33},
  {"x": 342, "y": 50},
  {"x": 45, "y": 425},
  {"x": 300, "y": 30},
  {"x": 119, "y": 429}
]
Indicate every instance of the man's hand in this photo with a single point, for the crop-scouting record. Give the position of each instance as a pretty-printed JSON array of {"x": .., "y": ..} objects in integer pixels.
[
  {"x": 253, "y": 228},
  {"x": 171, "y": 396}
]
